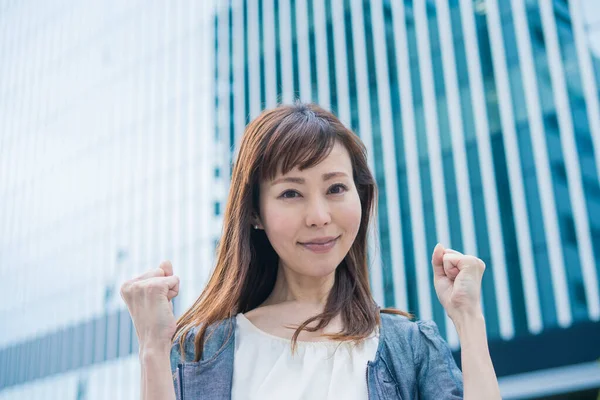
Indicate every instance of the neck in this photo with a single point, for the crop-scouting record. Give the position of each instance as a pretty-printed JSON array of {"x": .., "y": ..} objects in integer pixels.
[{"x": 293, "y": 287}]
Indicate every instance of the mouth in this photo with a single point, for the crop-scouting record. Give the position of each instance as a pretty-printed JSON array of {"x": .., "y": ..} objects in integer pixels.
[{"x": 320, "y": 247}]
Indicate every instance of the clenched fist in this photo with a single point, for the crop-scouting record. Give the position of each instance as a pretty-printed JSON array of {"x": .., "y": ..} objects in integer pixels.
[
  {"x": 148, "y": 298},
  {"x": 457, "y": 281}
]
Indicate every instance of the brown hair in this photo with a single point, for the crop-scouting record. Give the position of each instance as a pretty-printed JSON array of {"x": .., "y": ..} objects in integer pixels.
[{"x": 280, "y": 139}]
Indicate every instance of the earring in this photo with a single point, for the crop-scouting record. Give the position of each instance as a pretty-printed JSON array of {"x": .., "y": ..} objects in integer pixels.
[{"x": 255, "y": 226}]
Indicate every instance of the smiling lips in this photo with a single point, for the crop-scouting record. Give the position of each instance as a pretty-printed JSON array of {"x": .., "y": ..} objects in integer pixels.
[{"x": 321, "y": 245}]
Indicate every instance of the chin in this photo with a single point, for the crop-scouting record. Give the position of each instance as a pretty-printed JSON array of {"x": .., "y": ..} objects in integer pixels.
[{"x": 320, "y": 270}]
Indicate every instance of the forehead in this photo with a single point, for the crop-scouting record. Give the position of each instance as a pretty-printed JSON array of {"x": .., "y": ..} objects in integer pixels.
[{"x": 338, "y": 159}]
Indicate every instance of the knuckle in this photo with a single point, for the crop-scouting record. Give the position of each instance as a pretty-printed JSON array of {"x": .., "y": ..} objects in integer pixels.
[
  {"x": 125, "y": 289},
  {"x": 136, "y": 288},
  {"x": 153, "y": 287}
]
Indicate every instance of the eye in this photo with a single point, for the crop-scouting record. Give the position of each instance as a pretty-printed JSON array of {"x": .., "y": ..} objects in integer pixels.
[
  {"x": 284, "y": 195},
  {"x": 339, "y": 185}
]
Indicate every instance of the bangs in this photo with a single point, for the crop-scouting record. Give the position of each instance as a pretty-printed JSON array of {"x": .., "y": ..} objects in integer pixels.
[{"x": 302, "y": 140}]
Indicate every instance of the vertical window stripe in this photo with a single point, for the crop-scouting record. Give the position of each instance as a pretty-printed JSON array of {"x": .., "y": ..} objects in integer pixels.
[
  {"x": 364, "y": 112},
  {"x": 542, "y": 165},
  {"x": 287, "y": 76},
  {"x": 513, "y": 161},
  {"x": 302, "y": 39},
  {"x": 490, "y": 193},
  {"x": 590, "y": 86},
  {"x": 239, "y": 66},
  {"x": 270, "y": 73},
  {"x": 341, "y": 66},
  {"x": 459, "y": 151},
  {"x": 320, "y": 34},
  {"x": 253, "y": 59},
  {"x": 389, "y": 156},
  {"x": 433, "y": 136},
  {"x": 422, "y": 263}
]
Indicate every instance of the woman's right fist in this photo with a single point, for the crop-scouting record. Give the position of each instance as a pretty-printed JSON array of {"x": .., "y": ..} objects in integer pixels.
[{"x": 148, "y": 298}]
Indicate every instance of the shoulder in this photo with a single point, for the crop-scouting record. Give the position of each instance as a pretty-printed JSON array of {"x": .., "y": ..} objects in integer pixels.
[
  {"x": 217, "y": 336},
  {"x": 259, "y": 314},
  {"x": 421, "y": 337},
  {"x": 395, "y": 325},
  {"x": 179, "y": 355}
]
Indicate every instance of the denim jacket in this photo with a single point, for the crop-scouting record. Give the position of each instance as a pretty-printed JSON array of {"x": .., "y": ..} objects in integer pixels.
[{"x": 412, "y": 362}]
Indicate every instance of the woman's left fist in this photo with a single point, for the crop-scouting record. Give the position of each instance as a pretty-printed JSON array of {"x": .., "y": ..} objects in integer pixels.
[{"x": 457, "y": 281}]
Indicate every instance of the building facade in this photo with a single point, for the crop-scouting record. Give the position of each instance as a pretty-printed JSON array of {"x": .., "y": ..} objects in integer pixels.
[
  {"x": 482, "y": 125},
  {"x": 105, "y": 166}
]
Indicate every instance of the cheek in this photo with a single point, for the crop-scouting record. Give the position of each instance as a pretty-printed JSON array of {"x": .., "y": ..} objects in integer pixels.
[
  {"x": 280, "y": 226},
  {"x": 349, "y": 215}
]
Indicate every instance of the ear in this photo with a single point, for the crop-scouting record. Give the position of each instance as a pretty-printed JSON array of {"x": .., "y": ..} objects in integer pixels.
[{"x": 256, "y": 222}]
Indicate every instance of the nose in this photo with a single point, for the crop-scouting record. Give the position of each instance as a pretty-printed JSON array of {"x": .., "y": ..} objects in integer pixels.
[{"x": 317, "y": 213}]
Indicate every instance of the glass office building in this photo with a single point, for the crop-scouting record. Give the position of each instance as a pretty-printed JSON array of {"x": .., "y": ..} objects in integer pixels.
[
  {"x": 119, "y": 123},
  {"x": 482, "y": 124},
  {"x": 106, "y": 164}
]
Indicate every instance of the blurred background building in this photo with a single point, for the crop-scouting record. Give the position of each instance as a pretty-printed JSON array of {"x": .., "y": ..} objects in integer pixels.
[{"x": 119, "y": 123}]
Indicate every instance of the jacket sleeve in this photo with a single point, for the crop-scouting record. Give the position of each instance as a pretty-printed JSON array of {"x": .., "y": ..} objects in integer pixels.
[
  {"x": 438, "y": 376},
  {"x": 176, "y": 356}
]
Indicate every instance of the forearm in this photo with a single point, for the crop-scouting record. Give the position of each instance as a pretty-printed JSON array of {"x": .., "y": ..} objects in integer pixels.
[
  {"x": 479, "y": 377},
  {"x": 156, "y": 379}
]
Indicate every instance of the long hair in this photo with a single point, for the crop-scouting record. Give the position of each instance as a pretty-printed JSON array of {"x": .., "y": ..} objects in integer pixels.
[{"x": 288, "y": 136}]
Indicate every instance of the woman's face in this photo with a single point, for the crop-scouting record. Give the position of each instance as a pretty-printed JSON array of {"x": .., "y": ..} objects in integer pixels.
[{"x": 302, "y": 209}]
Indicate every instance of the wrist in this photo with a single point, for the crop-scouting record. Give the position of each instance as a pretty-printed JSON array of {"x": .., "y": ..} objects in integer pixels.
[
  {"x": 464, "y": 319},
  {"x": 154, "y": 351}
]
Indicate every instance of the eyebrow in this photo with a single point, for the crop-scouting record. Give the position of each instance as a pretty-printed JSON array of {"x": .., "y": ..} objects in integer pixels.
[{"x": 293, "y": 179}]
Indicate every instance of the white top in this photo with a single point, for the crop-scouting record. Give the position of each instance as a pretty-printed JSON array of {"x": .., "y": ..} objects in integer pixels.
[{"x": 265, "y": 369}]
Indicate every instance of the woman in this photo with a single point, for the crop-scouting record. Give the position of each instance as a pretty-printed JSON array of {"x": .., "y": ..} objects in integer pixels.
[{"x": 288, "y": 312}]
